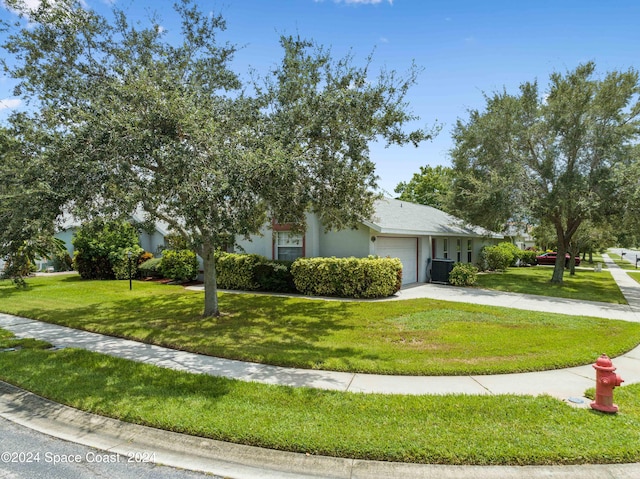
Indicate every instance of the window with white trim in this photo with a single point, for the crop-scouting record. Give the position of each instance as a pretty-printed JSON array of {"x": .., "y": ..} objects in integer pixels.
[
  {"x": 445, "y": 249},
  {"x": 469, "y": 250},
  {"x": 459, "y": 249},
  {"x": 288, "y": 245}
]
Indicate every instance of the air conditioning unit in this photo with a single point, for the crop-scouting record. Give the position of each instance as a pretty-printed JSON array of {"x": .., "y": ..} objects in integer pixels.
[{"x": 440, "y": 269}]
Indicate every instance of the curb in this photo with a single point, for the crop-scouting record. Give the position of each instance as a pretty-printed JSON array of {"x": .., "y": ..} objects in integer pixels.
[{"x": 247, "y": 462}]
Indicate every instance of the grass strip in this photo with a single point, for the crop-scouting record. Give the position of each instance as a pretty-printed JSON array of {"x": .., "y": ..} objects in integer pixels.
[
  {"x": 586, "y": 285},
  {"x": 416, "y": 337},
  {"x": 624, "y": 263},
  {"x": 452, "y": 429}
]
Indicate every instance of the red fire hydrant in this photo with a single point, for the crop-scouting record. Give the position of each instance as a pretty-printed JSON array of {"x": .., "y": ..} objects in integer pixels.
[{"x": 606, "y": 380}]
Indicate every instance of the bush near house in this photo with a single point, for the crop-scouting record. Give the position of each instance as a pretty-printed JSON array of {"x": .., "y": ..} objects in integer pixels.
[
  {"x": 252, "y": 272},
  {"x": 499, "y": 257},
  {"x": 274, "y": 276},
  {"x": 370, "y": 277},
  {"x": 463, "y": 274},
  {"x": 100, "y": 244},
  {"x": 179, "y": 265},
  {"x": 62, "y": 261},
  {"x": 150, "y": 268},
  {"x": 527, "y": 257},
  {"x": 235, "y": 271},
  {"x": 121, "y": 262}
]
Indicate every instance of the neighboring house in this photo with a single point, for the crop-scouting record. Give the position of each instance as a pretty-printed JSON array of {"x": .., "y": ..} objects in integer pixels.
[
  {"x": 520, "y": 235},
  {"x": 414, "y": 233}
]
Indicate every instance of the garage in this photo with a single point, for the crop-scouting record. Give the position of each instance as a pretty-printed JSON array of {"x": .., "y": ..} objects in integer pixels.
[{"x": 406, "y": 249}]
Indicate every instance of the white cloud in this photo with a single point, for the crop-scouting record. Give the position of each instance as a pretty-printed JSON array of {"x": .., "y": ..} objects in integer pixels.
[
  {"x": 30, "y": 4},
  {"x": 10, "y": 103},
  {"x": 34, "y": 4}
]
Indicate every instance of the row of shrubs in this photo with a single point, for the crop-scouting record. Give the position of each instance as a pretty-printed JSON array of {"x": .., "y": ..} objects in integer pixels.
[
  {"x": 370, "y": 277},
  {"x": 499, "y": 257},
  {"x": 492, "y": 258}
]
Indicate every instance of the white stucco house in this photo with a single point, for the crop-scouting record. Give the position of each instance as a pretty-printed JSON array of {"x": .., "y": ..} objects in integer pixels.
[{"x": 416, "y": 234}]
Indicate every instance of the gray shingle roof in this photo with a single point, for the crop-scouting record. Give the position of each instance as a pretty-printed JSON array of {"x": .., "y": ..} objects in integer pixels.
[{"x": 401, "y": 217}]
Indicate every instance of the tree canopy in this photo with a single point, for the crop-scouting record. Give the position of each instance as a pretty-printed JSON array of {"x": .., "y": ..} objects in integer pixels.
[
  {"x": 169, "y": 127},
  {"x": 430, "y": 187},
  {"x": 30, "y": 198},
  {"x": 548, "y": 156}
]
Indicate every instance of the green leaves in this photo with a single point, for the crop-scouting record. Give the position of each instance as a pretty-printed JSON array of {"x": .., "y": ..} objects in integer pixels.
[
  {"x": 429, "y": 187},
  {"x": 547, "y": 157},
  {"x": 142, "y": 121}
]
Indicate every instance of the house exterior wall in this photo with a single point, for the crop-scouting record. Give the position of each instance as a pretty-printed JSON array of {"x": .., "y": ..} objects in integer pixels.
[
  {"x": 67, "y": 237},
  {"x": 357, "y": 242},
  {"x": 345, "y": 243},
  {"x": 153, "y": 243},
  {"x": 452, "y": 247},
  {"x": 424, "y": 257},
  {"x": 257, "y": 244}
]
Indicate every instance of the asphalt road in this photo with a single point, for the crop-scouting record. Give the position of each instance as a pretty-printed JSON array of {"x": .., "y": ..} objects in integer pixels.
[
  {"x": 27, "y": 454},
  {"x": 630, "y": 254}
]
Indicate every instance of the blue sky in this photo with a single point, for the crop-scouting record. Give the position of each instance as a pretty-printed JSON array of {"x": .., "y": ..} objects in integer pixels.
[{"x": 465, "y": 48}]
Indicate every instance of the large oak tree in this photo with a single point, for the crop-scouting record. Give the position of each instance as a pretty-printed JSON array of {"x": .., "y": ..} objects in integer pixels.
[
  {"x": 548, "y": 156},
  {"x": 142, "y": 121}
]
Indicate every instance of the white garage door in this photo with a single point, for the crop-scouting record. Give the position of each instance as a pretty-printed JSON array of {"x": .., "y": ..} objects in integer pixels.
[{"x": 406, "y": 249}]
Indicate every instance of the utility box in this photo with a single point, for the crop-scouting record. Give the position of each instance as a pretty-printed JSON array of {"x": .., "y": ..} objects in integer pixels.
[{"x": 440, "y": 269}]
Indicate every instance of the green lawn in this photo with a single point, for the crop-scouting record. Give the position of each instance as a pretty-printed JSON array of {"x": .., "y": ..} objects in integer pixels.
[
  {"x": 452, "y": 429},
  {"x": 585, "y": 285},
  {"x": 399, "y": 337},
  {"x": 623, "y": 263},
  {"x": 635, "y": 276}
]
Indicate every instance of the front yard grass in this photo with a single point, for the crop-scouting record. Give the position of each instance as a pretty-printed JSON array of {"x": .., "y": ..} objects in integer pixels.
[
  {"x": 635, "y": 276},
  {"x": 623, "y": 263},
  {"x": 585, "y": 285},
  {"x": 451, "y": 429},
  {"x": 415, "y": 337}
]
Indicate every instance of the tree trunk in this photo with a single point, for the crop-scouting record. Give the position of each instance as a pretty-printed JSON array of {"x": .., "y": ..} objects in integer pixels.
[
  {"x": 558, "y": 269},
  {"x": 572, "y": 260},
  {"x": 210, "y": 287}
]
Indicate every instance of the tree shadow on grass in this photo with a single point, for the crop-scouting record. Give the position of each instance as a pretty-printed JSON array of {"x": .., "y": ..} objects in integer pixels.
[{"x": 265, "y": 329}]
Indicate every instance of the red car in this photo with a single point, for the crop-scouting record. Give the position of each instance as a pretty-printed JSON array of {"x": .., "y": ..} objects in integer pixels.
[{"x": 550, "y": 258}]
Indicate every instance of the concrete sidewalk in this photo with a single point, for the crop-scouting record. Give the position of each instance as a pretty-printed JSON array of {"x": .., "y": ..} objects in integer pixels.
[
  {"x": 565, "y": 384},
  {"x": 242, "y": 462}
]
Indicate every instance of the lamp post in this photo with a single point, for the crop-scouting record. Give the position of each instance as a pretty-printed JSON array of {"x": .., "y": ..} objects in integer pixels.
[{"x": 130, "y": 284}]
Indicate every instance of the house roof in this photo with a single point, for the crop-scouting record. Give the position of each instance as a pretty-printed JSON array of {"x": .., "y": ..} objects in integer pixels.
[
  {"x": 67, "y": 221},
  {"x": 401, "y": 217}
]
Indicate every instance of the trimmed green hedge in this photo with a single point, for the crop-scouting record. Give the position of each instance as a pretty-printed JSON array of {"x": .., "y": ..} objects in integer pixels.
[
  {"x": 275, "y": 276},
  {"x": 528, "y": 257},
  {"x": 498, "y": 257},
  {"x": 463, "y": 274},
  {"x": 370, "y": 277},
  {"x": 235, "y": 271},
  {"x": 344, "y": 277},
  {"x": 179, "y": 265},
  {"x": 150, "y": 268}
]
